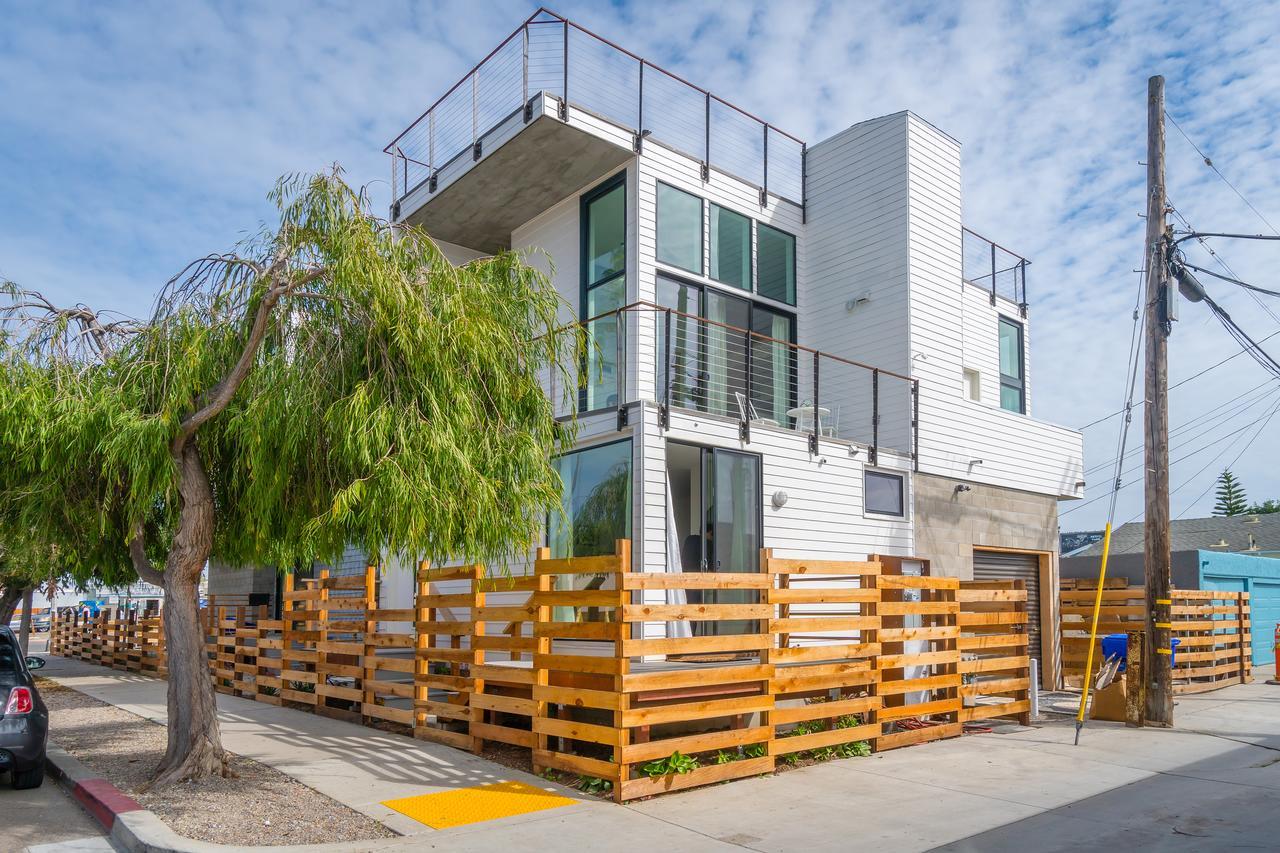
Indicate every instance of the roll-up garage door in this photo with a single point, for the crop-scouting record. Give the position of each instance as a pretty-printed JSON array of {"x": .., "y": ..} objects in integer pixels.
[{"x": 1003, "y": 566}]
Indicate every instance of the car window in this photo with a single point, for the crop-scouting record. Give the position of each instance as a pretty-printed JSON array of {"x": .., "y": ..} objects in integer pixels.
[{"x": 10, "y": 664}]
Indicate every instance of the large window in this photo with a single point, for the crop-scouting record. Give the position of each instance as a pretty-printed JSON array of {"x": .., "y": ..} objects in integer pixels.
[
  {"x": 716, "y": 366},
  {"x": 679, "y": 229},
  {"x": 883, "y": 493},
  {"x": 776, "y": 262},
  {"x": 595, "y": 512},
  {"x": 730, "y": 247},
  {"x": 604, "y": 288},
  {"x": 1012, "y": 381},
  {"x": 595, "y": 501}
]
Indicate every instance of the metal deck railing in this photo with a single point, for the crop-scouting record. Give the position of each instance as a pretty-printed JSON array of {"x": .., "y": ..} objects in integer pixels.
[
  {"x": 550, "y": 54},
  {"x": 705, "y": 366},
  {"x": 994, "y": 268}
]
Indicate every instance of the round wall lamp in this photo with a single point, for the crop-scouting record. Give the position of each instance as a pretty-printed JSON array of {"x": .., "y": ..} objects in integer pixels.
[{"x": 779, "y": 499}]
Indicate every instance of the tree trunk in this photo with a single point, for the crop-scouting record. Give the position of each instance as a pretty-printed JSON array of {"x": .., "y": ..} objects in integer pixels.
[
  {"x": 9, "y": 598},
  {"x": 195, "y": 741},
  {"x": 24, "y": 629}
]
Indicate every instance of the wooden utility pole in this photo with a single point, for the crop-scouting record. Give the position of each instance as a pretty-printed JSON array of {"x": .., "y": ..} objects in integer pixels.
[{"x": 1156, "y": 651}]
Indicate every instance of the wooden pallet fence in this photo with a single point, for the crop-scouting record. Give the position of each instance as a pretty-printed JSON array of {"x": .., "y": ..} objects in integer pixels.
[
  {"x": 919, "y": 663},
  {"x": 825, "y": 641},
  {"x": 995, "y": 666},
  {"x": 1212, "y": 626},
  {"x": 446, "y": 623}
]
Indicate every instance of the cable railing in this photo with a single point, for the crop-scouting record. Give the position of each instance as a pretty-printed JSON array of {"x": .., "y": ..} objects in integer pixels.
[
  {"x": 762, "y": 382},
  {"x": 995, "y": 269},
  {"x": 549, "y": 54}
]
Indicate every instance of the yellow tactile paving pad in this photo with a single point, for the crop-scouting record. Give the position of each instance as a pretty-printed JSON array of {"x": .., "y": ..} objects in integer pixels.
[{"x": 473, "y": 805}]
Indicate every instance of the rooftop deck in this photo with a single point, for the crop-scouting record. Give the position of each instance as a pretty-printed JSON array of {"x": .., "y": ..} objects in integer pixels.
[{"x": 551, "y": 59}]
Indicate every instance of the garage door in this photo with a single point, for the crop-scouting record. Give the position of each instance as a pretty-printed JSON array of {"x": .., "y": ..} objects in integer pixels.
[
  {"x": 1002, "y": 566},
  {"x": 1264, "y": 609}
]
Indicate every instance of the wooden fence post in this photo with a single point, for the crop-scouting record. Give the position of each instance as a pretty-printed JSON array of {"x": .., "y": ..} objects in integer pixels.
[
  {"x": 1244, "y": 637},
  {"x": 369, "y": 660},
  {"x": 621, "y": 547},
  {"x": 542, "y": 649},
  {"x": 421, "y": 643},
  {"x": 1135, "y": 681}
]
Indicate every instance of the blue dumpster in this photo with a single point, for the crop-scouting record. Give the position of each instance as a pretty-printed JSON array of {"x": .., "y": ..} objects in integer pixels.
[{"x": 1118, "y": 644}]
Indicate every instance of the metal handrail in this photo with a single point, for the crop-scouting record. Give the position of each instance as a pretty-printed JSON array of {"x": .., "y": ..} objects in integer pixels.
[
  {"x": 738, "y": 366},
  {"x": 758, "y": 152}
]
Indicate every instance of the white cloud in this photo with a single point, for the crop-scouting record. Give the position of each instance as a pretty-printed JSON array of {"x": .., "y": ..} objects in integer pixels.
[{"x": 136, "y": 138}]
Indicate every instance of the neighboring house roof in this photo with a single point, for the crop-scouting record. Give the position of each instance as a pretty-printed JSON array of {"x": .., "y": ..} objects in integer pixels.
[{"x": 1200, "y": 534}]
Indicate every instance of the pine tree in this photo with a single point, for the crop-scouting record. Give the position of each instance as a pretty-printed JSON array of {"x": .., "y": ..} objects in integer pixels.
[{"x": 1231, "y": 499}]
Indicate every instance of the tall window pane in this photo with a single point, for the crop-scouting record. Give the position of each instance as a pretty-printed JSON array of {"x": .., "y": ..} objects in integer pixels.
[
  {"x": 595, "y": 501},
  {"x": 679, "y": 229},
  {"x": 606, "y": 251},
  {"x": 595, "y": 511},
  {"x": 602, "y": 349},
  {"x": 730, "y": 247},
  {"x": 772, "y": 365},
  {"x": 776, "y": 259},
  {"x": 725, "y": 345},
  {"x": 1012, "y": 385},
  {"x": 685, "y": 368}
]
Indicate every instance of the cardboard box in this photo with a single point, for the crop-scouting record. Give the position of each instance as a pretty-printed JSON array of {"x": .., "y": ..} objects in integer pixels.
[{"x": 1110, "y": 702}]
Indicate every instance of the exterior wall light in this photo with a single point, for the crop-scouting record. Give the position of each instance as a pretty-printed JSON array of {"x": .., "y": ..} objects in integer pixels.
[{"x": 779, "y": 499}]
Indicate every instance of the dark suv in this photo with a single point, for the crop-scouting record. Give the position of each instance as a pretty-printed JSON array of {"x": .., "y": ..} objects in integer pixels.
[{"x": 24, "y": 720}]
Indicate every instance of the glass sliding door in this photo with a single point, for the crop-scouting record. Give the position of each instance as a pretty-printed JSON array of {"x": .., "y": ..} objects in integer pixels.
[
  {"x": 732, "y": 495},
  {"x": 716, "y": 509},
  {"x": 726, "y": 351},
  {"x": 773, "y": 366},
  {"x": 685, "y": 371}
]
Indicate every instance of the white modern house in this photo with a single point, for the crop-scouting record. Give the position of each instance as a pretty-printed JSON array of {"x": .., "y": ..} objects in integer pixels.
[{"x": 799, "y": 346}]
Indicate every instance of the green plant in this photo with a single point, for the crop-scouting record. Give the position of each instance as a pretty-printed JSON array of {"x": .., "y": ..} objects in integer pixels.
[
  {"x": 825, "y": 753},
  {"x": 594, "y": 785},
  {"x": 848, "y": 721},
  {"x": 723, "y": 757},
  {"x": 302, "y": 686},
  {"x": 550, "y": 774},
  {"x": 791, "y": 758},
  {"x": 676, "y": 763},
  {"x": 269, "y": 691},
  {"x": 756, "y": 750},
  {"x": 857, "y": 749}
]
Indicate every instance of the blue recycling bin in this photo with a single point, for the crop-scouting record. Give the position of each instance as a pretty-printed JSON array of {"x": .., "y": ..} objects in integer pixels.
[{"x": 1118, "y": 644}]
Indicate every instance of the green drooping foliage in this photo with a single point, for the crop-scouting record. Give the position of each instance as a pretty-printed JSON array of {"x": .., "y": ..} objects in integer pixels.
[
  {"x": 1267, "y": 507},
  {"x": 392, "y": 400},
  {"x": 1230, "y": 496}
]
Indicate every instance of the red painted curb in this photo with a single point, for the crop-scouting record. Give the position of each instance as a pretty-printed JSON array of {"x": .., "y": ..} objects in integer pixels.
[{"x": 103, "y": 800}]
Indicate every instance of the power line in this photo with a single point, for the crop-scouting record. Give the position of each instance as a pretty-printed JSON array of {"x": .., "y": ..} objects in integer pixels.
[
  {"x": 1243, "y": 284},
  {"x": 1229, "y": 466},
  {"x": 1182, "y": 458},
  {"x": 1208, "y": 162},
  {"x": 1183, "y": 382},
  {"x": 1216, "y": 413}
]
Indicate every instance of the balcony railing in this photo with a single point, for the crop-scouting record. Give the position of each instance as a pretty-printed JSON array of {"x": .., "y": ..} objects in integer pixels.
[
  {"x": 552, "y": 55},
  {"x": 701, "y": 365},
  {"x": 995, "y": 269}
]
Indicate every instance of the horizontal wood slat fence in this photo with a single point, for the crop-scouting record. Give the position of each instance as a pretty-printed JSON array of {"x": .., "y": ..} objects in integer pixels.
[
  {"x": 1212, "y": 627},
  {"x": 802, "y": 660}
]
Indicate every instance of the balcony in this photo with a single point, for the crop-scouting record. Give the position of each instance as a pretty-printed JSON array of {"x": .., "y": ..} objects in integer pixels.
[
  {"x": 693, "y": 364},
  {"x": 995, "y": 269},
  {"x": 553, "y": 107}
]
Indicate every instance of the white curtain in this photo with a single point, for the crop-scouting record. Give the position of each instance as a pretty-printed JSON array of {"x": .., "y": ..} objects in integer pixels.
[{"x": 680, "y": 628}]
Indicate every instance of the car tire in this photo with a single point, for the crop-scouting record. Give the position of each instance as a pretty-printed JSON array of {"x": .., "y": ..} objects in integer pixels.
[{"x": 33, "y": 778}]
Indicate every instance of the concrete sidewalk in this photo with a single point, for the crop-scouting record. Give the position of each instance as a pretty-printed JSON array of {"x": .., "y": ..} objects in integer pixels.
[{"x": 1212, "y": 783}]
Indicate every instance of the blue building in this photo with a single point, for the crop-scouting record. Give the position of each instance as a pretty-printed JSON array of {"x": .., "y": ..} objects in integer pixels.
[{"x": 1240, "y": 553}]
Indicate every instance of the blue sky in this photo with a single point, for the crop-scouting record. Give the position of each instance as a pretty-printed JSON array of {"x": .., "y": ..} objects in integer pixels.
[{"x": 135, "y": 137}]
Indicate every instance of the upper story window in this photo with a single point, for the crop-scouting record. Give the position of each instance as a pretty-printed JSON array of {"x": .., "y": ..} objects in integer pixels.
[
  {"x": 1013, "y": 392},
  {"x": 744, "y": 254},
  {"x": 604, "y": 288},
  {"x": 606, "y": 232},
  {"x": 776, "y": 262},
  {"x": 730, "y": 247},
  {"x": 679, "y": 229}
]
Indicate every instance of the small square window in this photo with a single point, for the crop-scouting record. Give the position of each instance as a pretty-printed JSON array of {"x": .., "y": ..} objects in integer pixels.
[
  {"x": 883, "y": 493},
  {"x": 972, "y": 385}
]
